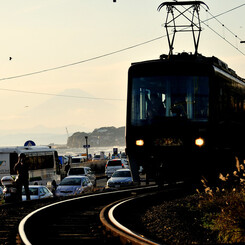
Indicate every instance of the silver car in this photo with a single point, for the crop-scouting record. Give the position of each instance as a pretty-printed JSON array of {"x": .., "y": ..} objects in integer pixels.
[
  {"x": 74, "y": 185},
  {"x": 120, "y": 178}
]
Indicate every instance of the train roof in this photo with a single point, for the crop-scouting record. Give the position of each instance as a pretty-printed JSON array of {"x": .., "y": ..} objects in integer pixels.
[
  {"x": 186, "y": 57},
  {"x": 25, "y": 149}
]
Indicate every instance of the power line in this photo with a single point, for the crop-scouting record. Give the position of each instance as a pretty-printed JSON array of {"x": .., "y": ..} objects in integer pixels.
[
  {"x": 225, "y": 39},
  {"x": 60, "y": 95},
  {"x": 82, "y": 61},
  {"x": 216, "y": 18},
  {"x": 125, "y": 49},
  {"x": 226, "y": 12}
]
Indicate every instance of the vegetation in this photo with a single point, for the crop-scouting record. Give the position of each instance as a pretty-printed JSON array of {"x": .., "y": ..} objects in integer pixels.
[
  {"x": 2, "y": 201},
  {"x": 212, "y": 215},
  {"x": 223, "y": 207},
  {"x": 97, "y": 166}
]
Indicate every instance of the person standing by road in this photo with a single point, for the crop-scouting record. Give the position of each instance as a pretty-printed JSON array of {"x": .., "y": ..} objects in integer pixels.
[{"x": 21, "y": 167}]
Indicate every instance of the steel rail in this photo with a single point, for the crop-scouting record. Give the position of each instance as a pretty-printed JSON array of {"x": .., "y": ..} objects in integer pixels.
[
  {"x": 22, "y": 224},
  {"x": 126, "y": 235}
]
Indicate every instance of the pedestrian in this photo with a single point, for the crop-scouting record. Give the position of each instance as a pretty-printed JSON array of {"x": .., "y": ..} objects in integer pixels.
[
  {"x": 21, "y": 168},
  {"x": 54, "y": 187},
  {"x": 67, "y": 167}
]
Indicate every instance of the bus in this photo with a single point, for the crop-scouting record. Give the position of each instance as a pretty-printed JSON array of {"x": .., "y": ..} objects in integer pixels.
[{"x": 44, "y": 166}]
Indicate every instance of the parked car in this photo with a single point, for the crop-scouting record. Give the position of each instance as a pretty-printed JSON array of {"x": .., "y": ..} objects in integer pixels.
[
  {"x": 74, "y": 185},
  {"x": 96, "y": 158},
  {"x": 84, "y": 171},
  {"x": 37, "y": 192},
  {"x": 125, "y": 162},
  {"x": 9, "y": 189},
  {"x": 113, "y": 165},
  {"x": 78, "y": 159},
  {"x": 120, "y": 178}
]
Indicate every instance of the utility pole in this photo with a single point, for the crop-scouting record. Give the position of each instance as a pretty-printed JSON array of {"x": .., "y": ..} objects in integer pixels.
[
  {"x": 86, "y": 138},
  {"x": 67, "y": 133}
]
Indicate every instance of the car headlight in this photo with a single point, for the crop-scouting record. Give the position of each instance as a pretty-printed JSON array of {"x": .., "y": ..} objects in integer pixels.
[
  {"x": 199, "y": 142},
  {"x": 78, "y": 190},
  {"x": 109, "y": 183}
]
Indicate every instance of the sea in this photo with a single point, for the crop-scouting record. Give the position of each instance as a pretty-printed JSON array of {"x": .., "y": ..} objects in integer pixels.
[{"x": 92, "y": 150}]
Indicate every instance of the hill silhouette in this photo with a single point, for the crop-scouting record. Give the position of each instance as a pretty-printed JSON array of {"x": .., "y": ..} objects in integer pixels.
[{"x": 104, "y": 136}]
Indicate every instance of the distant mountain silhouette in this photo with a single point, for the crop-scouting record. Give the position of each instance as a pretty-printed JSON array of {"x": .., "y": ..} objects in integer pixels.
[
  {"x": 104, "y": 136},
  {"x": 74, "y": 108}
]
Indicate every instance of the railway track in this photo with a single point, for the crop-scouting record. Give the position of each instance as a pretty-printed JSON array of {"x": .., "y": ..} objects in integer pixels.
[
  {"x": 111, "y": 218},
  {"x": 78, "y": 220},
  {"x": 12, "y": 214},
  {"x": 75, "y": 220}
]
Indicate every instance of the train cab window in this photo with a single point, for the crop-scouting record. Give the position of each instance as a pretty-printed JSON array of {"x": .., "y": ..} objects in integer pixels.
[{"x": 155, "y": 98}]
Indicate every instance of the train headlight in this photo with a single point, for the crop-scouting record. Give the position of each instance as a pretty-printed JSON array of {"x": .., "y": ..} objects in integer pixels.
[
  {"x": 199, "y": 142},
  {"x": 139, "y": 142}
]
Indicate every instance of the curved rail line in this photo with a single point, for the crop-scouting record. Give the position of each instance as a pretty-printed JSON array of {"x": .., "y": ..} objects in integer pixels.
[
  {"x": 126, "y": 236},
  {"x": 74, "y": 220},
  {"x": 124, "y": 218}
]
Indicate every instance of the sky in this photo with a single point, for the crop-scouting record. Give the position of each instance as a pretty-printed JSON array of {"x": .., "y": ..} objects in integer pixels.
[{"x": 81, "y": 38}]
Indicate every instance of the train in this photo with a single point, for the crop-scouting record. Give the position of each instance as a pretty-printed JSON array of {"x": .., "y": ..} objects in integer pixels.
[{"x": 185, "y": 118}]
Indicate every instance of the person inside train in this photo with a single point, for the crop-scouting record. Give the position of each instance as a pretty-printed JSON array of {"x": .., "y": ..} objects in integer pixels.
[{"x": 155, "y": 106}]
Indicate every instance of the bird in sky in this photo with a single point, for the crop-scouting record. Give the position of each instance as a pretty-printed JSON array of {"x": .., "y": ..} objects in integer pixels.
[{"x": 10, "y": 58}]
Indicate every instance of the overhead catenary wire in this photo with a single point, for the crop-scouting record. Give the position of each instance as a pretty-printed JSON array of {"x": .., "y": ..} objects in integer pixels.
[
  {"x": 226, "y": 12},
  {"x": 124, "y": 49},
  {"x": 60, "y": 95},
  {"x": 82, "y": 61},
  {"x": 215, "y": 17},
  {"x": 224, "y": 26}
]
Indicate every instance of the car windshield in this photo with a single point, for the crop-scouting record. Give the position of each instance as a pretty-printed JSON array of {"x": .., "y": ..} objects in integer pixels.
[
  {"x": 75, "y": 171},
  {"x": 32, "y": 190},
  {"x": 71, "y": 181},
  {"x": 76, "y": 160},
  {"x": 122, "y": 174}
]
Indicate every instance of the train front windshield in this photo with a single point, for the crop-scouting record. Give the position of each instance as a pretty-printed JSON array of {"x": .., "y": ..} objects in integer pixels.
[{"x": 159, "y": 97}]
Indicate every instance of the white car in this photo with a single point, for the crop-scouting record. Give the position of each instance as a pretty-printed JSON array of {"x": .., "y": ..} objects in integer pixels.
[
  {"x": 120, "y": 178},
  {"x": 74, "y": 185},
  {"x": 37, "y": 192}
]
